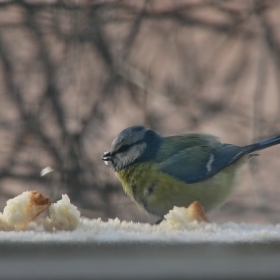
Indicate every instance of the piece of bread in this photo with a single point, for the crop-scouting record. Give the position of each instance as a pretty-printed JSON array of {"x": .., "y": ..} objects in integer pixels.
[
  {"x": 180, "y": 217},
  {"x": 64, "y": 215},
  {"x": 22, "y": 209}
]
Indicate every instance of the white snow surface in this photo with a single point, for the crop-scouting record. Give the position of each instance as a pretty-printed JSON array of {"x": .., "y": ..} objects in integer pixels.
[
  {"x": 180, "y": 226},
  {"x": 113, "y": 231}
]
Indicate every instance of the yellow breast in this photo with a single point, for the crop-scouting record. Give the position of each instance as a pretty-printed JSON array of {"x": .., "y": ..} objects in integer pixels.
[{"x": 158, "y": 192}]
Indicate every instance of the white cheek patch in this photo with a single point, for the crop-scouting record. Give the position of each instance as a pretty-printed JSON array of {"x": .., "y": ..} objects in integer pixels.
[{"x": 209, "y": 163}]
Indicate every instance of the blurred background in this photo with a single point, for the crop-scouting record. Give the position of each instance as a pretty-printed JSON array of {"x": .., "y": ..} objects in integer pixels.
[{"x": 73, "y": 74}]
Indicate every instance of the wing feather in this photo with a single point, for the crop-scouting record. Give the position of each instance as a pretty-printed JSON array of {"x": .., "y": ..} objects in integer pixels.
[{"x": 198, "y": 163}]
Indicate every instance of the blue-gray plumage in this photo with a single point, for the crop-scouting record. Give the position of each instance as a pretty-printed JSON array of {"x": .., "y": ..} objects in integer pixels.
[
  {"x": 159, "y": 172},
  {"x": 221, "y": 155}
]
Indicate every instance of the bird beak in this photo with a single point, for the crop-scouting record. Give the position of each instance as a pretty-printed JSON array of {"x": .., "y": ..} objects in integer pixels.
[{"x": 107, "y": 157}]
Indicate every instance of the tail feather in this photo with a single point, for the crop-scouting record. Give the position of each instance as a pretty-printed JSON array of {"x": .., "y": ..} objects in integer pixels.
[{"x": 275, "y": 140}]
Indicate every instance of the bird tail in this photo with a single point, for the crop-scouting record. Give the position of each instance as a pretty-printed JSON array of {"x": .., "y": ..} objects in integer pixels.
[{"x": 266, "y": 143}]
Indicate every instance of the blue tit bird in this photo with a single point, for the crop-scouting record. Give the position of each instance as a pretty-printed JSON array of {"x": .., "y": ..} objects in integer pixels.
[{"x": 158, "y": 172}]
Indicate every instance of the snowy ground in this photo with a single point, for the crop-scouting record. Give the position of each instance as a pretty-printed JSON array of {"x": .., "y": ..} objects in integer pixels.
[
  {"x": 64, "y": 245},
  {"x": 65, "y": 224},
  {"x": 121, "y": 231}
]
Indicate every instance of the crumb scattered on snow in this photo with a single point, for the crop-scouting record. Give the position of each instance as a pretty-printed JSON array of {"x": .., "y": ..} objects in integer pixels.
[
  {"x": 115, "y": 231},
  {"x": 179, "y": 217},
  {"x": 64, "y": 215},
  {"x": 23, "y": 208},
  {"x": 4, "y": 225},
  {"x": 21, "y": 211},
  {"x": 65, "y": 225}
]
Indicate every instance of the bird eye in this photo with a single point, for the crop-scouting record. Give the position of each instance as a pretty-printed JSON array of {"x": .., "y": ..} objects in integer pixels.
[{"x": 123, "y": 148}]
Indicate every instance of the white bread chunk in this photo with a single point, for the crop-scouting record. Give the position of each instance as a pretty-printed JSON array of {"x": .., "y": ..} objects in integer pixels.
[
  {"x": 4, "y": 226},
  {"x": 64, "y": 215},
  {"x": 22, "y": 209},
  {"x": 180, "y": 216}
]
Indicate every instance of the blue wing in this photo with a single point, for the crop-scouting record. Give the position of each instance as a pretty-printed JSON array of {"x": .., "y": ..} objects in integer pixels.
[{"x": 198, "y": 163}]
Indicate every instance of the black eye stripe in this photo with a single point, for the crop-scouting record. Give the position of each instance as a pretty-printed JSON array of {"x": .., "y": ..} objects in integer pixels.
[{"x": 124, "y": 148}]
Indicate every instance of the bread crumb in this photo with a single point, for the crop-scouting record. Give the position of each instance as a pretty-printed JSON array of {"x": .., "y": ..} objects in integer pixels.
[
  {"x": 64, "y": 215},
  {"x": 196, "y": 212},
  {"x": 179, "y": 217},
  {"x": 4, "y": 225},
  {"x": 22, "y": 209}
]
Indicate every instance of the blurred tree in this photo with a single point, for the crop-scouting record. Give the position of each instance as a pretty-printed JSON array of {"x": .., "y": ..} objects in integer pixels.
[{"x": 75, "y": 73}]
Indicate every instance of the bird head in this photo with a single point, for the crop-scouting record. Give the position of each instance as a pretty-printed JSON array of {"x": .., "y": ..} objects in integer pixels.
[{"x": 134, "y": 144}]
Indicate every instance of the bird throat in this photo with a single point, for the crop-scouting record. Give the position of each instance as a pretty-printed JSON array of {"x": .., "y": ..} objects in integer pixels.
[{"x": 134, "y": 177}]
